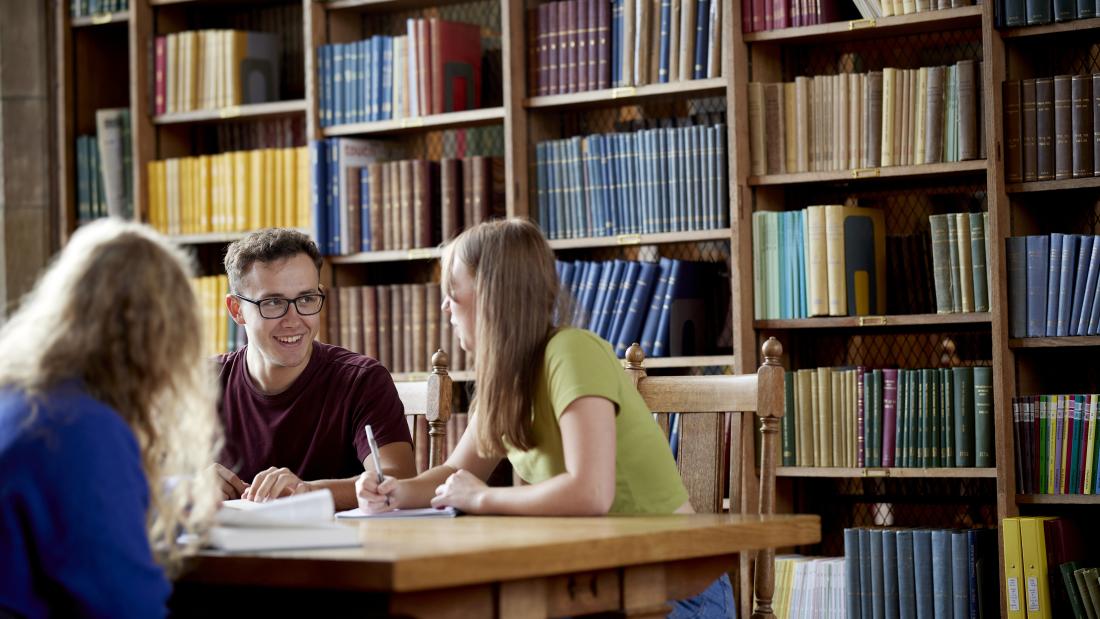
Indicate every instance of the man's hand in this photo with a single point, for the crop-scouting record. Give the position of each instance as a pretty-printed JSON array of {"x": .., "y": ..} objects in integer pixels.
[
  {"x": 462, "y": 490},
  {"x": 274, "y": 483},
  {"x": 230, "y": 485}
]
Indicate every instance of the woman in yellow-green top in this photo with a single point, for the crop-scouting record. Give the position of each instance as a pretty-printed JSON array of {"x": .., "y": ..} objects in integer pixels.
[{"x": 552, "y": 399}]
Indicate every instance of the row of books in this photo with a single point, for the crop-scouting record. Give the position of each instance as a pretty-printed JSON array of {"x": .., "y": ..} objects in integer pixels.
[
  {"x": 859, "y": 417},
  {"x": 1052, "y": 128},
  {"x": 579, "y": 45},
  {"x": 210, "y": 69},
  {"x": 401, "y": 325},
  {"x": 362, "y": 203},
  {"x": 220, "y": 334},
  {"x": 1052, "y": 285},
  {"x": 230, "y": 192},
  {"x": 760, "y": 15},
  {"x": 921, "y": 573},
  {"x": 251, "y": 134},
  {"x": 826, "y": 260},
  {"x": 434, "y": 68},
  {"x": 667, "y": 307},
  {"x": 649, "y": 181},
  {"x": 1055, "y": 443},
  {"x": 1050, "y": 569},
  {"x": 959, "y": 263},
  {"x": 104, "y": 168},
  {"x": 809, "y": 588},
  {"x": 86, "y": 8},
  {"x": 1015, "y": 13},
  {"x": 865, "y": 120}
]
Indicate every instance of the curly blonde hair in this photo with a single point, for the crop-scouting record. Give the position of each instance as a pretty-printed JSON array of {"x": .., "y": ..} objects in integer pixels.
[{"x": 117, "y": 312}]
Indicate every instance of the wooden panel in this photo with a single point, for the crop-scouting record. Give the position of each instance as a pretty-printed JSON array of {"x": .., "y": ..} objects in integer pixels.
[
  {"x": 449, "y": 120},
  {"x": 895, "y": 26},
  {"x": 144, "y": 145},
  {"x": 628, "y": 96},
  {"x": 1058, "y": 499},
  {"x": 517, "y": 137},
  {"x": 1076, "y": 25},
  {"x": 1054, "y": 342},
  {"x": 702, "y": 437},
  {"x": 1037, "y": 186},
  {"x": 867, "y": 322},
  {"x": 719, "y": 234},
  {"x": 273, "y": 109},
  {"x": 914, "y": 171},
  {"x": 96, "y": 20},
  {"x": 700, "y": 393},
  {"x": 909, "y": 473}
]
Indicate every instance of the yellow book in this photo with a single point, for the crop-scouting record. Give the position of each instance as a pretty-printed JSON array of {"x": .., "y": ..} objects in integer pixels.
[
  {"x": 1033, "y": 555},
  {"x": 920, "y": 100},
  {"x": 240, "y": 191},
  {"x": 1090, "y": 443},
  {"x": 154, "y": 195},
  {"x": 823, "y": 441},
  {"x": 289, "y": 193},
  {"x": 1014, "y": 572},
  {"x": 301, "y": 207},
  {"x": 220, "y": 314},
  {"x": 256, "y": 189},
  {"x": 204, "y": 187},
  {"x": 185, "y": 196},
  {"x": 790, "y": 124},
  {"x": 817, "y": 270}
]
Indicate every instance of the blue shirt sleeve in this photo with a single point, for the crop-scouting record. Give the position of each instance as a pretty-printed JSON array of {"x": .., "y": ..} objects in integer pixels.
[{"x": 79, "y": 496}]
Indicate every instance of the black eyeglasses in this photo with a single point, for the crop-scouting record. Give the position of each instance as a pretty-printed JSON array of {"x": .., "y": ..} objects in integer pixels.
[{"x": 277, "y": 307}]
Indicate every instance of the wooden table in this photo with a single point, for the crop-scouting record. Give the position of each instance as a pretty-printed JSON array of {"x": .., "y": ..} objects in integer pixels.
[{"x": 491, "y": 567}]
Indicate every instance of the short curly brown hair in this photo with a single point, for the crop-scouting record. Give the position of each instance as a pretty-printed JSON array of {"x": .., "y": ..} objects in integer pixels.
[{"x": 268, "y": 245}]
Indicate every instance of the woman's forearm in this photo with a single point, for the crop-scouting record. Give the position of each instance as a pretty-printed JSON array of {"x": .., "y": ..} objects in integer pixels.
[
  {"x": 562, "y": 495},
  {"x": 418, "y": 491}
]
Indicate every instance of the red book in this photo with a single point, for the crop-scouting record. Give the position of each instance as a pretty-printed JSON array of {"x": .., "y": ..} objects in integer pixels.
[
  {"x": 769, "y": 14},
  {"x": 553, "y": 81},
  {"x": 542, "y": 84},
  {"x": 603, "y": 44},
  {"x": 581, "y": 8},
  {"x": 369, "y": 302},
  {"x": 468, "y": 218},
  {"x": 405, "y": 210},
  {"x": 159, "y": 103},
  {"x": 455, "y": 66},
  {"x": 746, "y": 15},
  {"x": 377, "y": 207},
  {"x": 422, "y": 204},
  {"x": 757, "y": 15},
  {"x": 570, "y": 40},
  {"x": 450, "y": 181}
]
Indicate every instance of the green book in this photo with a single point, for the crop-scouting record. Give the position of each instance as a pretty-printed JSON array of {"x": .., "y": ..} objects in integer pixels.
[
  {"x": 983, "y": 417},
  {"x": 925, "y": 411},
  {"x": 947, "y": 397},
  {"x": 1072, "y": 592},
  {"x": 901, "y": 433},
  {"x": 787, "y": 426},
  {"x": 914, "y": 418},
  {"x": 935, "y": 458},
  {"x": 963, "y": 387},
  {"x": 1044, "y": 451},
  {"x": 1091, "y": 610},
  {"x": 978, "y": 262}
]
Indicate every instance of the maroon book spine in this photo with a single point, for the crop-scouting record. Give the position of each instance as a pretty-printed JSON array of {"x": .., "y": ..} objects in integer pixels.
[
  {"x": 593, "y": 63},
  {"x": 581, "y": 7},
  {"x": 551, "y": 25},
  {"x": 746, "y": 15},
  {"x": 757, "y": 15},
  {"x": 572, "y": 81},
  {"x": 603, "y": 44}
]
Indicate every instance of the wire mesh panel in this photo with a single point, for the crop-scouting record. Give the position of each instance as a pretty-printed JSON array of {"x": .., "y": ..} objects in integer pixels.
[
  {"x": 907, "y": 52},
  {"x": 1077, "y": 53},
  {"x": 907, "y": 350}
]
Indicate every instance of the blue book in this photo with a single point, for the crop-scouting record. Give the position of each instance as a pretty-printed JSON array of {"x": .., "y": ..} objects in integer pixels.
[
  {"x": 1093, "y": 271},
  {"x": 960, "y": 574},
  {"x": 611, "y": 184},
  {"x": 922, "y": 572},
  {"x": 1080, "y": 281},
  {"x": 1038, "y": 264},
  {"x": 723, "y": 206},
  {"x": 878, "y": 600},
  {"x": 890, "y": 574},
  {"x": 356, "y": 83},
  {"x": 622, "y": 300},
  {"x": 606, "y": 225},
  {"x": 852, "y": 591},
  {"x": 587, "y": 304},
  {"x": 784, "y": 297},
  {"x": 599, "y": 296},
  {"x": 334, "y": 194},
  {"x": 364, "y": 209},
  {"x": 616, "y": 43},
  {"x": 323, "y": 94},
  {"x": 636, "y": 309},
  {"x": 581, "y": 206},
  {"x": 676, "y": 180},
  {"x": 1065, "y": 285},
  {"x": 710, "y": 204},
  {"x": 674, "y": 435},
  {"x": 702, "y": 36},
  {"x": 567, "y": 270},
  {"x": 579, "y": 277},
  {"x": 588, "y": 161},
  {"x": 561, "y": 212},
  {"x": 653, "y": 315},
  {"x": 907, "y": 594},
  {"x": 1054, "y": 278},
  {"x": 318, "y": 158},
  {"x": 661, "y": 339},
  {"x": 664, "y": 37},
  {"x": 1016, "y": 257},
  {"x": 540, "y": 190},
  {"x": 632, "y": 162},
  {"x": 387, "y": 78},
  {"x": 607, "y": 307},
  {"x": 866, "y": 605},
  {"x": 942, "y": 597}
]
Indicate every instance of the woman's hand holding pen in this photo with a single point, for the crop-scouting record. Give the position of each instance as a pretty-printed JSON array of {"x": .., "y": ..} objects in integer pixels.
[{"x": 375, "y": 496}]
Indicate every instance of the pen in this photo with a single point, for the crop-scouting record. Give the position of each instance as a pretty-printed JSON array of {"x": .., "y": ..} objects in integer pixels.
[{"x": 374, "y": 456}]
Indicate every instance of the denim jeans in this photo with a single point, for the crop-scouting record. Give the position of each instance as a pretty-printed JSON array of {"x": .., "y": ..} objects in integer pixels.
[{"x": 715, "y": 602}]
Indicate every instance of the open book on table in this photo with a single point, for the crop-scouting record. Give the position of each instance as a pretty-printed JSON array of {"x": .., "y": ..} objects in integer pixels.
[
  {"x": 296, "y": 521},
  {"x": 427, "y": 512}
]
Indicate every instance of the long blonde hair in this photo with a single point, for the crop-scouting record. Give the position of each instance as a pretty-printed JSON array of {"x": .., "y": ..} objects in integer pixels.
[
  {"x": 116, "y": 312},
  {"x": 517, "y": 292}
]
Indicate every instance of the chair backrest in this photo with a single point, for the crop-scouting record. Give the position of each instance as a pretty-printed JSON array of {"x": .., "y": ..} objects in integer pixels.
[
  {"x": 703, "y": 405},
  {"x": 431, "y": 400}
]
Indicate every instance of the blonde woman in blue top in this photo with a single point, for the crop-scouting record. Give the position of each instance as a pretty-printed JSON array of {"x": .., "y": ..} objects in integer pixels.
[{"x": 552, "y": 399}]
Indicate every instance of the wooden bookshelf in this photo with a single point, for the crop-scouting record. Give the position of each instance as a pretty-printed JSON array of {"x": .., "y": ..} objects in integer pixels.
[
  {"x": 389, "y": 6},
  {"x": 894, "y": 26},
  {"x": 862, "y": 174},
  {"x": 119, "y": 17},
  {"x": 1058, "y": 499},
  {"x": 629, "y": 95},
  {"x": 253, "y": 110},
  {"x": 894, "y": 473},
  {"x": 720, "y": 234},
  {"x": 213, "y": 238},
  {"x": 396, "y": 255},
  {"x": 1054, "y": 342},
  {"x": 871, "y": 322},
  {"x": 1072, "y": 26},
  {"x": 450, "y": 120},
  {"x": 1089, "y": 182},
  {"x": 703, "y": 361},
  {"x": 460, "y": 376}
]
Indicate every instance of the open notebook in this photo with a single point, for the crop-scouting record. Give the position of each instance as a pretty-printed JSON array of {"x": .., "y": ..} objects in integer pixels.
[
  {"x": 427, "y": 512},
  {"x": 297, "y": 521}
]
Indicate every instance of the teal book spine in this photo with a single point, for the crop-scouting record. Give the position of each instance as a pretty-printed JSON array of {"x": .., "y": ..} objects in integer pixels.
[
  {"x": 963, "y": 388},
  {"x": 787, "y": 427}
]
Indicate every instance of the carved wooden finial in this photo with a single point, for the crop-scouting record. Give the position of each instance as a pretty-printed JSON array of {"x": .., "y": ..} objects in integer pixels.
[
  {"x": 440, "y": 362},
  {"x": 773, "y": 350},
  {"x": 635, "y": 357}
]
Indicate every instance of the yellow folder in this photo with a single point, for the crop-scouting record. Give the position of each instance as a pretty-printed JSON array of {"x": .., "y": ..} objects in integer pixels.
[
  {"x": 1014, "y": 573},
  {"x": 1034, "y": 556}
]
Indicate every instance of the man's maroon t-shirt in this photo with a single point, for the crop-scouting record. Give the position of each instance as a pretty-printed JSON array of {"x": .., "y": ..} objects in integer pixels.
[{"x": 314, "y": 428}]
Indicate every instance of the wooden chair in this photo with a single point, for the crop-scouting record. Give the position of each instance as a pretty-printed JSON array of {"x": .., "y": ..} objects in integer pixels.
[
  {"x": 432, "y": 400},
  {"x": 702, "y": 402}
]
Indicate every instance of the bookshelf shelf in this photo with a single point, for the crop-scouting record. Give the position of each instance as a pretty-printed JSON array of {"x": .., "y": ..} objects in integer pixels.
[
  {"x": 1054, "y": 342},
  {"x": 864, "y": 174},
  {"x": 1073, "y": 183},
  {"x": 624, "y": 96},
  {"x": 212, "y": 238},
  {"x": 1076, "y": 25},
  {"x": 364, "y": 6},
  {"x": 901, "y": 25},
  {"x": 908, "y": 473},
  {"x": 102, "y": 19},
  {"x": 870, "y": 322},
  {"x": 1058, "y": 499},
  {"x": 688, "y": 362},
  {"x": 720, "y": 234},
  {"x": 450, "y": 120},
  {"x": 395, "y": 255},
  {"x": 412, "y": 377},
  {"x": 253, "y": 110}
]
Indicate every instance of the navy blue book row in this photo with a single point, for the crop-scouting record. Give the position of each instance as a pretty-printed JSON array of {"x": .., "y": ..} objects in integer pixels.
[{"x": 1052, "y": 285}]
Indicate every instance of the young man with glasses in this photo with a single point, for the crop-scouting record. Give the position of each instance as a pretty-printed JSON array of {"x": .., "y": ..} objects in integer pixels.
[{"x": 294, "y": 409}]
